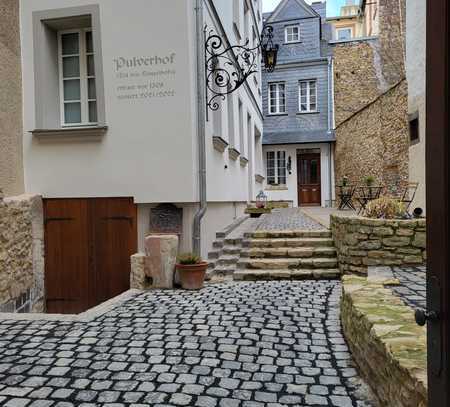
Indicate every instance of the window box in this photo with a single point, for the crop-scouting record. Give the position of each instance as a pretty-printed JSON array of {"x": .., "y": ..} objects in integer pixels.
[
  {"x": 219, "y": 144},
  {"x": 244, "y": 161},
  {"x": 233, "y": 153}
]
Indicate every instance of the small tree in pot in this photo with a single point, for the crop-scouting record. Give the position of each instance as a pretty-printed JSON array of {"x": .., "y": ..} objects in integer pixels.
[{"x": 191, "y": 269}]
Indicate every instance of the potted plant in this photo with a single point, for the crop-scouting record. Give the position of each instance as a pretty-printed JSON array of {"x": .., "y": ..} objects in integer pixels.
[
  {"x": 344, "y": 181},
  {"x": 369, "y": 180},
  {"x": 191, "y": 270}
]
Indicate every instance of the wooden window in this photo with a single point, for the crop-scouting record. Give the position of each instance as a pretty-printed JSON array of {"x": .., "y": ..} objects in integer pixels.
[
  {"x": 292, "y": 33},
  {"x": 344, "y": 33},
  {"x": 77, "y": 78},
  {"x": 276, "y": 167},
  {"x": 308, "y": 96},
  {"x": 277, "y": 98}
]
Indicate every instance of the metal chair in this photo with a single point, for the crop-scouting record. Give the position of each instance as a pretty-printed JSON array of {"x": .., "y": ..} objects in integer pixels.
[{"x": 408, "y": 194}]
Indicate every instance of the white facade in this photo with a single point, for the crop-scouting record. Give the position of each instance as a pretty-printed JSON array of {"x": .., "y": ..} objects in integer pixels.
[
  {"x": 289, "y": 191},
  {"x": 146, "y": 75},
  {"x": 415, "y": 74}
]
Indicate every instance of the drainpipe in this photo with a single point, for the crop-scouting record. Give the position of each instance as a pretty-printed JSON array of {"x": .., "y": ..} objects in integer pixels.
[
  {"x": 330, "y": 127},
  {"x": 196, "y": 235}
]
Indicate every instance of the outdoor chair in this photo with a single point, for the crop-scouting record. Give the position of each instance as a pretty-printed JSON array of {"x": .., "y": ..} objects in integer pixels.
[
  {"x": 408, "y": 194},
  {"x": 366, "y": 194},
  {"x": 345, "y": 194}
]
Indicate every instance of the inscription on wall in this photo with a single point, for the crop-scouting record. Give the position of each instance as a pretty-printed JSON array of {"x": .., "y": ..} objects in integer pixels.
[{"x": 145, "y": 77}]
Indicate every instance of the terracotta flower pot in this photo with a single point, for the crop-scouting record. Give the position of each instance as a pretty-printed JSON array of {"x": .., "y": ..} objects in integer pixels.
[{"x": 192, "y": 276}]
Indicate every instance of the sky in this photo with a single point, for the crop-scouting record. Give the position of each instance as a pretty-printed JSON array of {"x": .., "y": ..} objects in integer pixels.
[{"x": 333, "y": 6}]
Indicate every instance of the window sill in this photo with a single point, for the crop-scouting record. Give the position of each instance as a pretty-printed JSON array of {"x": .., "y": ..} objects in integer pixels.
[
  {"x": 259, "y": 178},
  {"x": 292, "y": 42},
  {"x": 276, "y": 188},
  {"x": 312, "y": 112},
  {"x": 219, "y": 144},
  {"x": 244, "y": 161},
  {"x": 233, "y": 153},
  {"x": 66, "y": 133},
  {"x": 277, "y": 114}
]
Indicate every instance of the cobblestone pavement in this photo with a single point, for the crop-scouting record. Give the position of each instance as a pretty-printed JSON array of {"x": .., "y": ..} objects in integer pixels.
[
  {"x": 237, "y": 344},
  {"x": 287, "y": 219},
  {"x": 413, "y": 285}
]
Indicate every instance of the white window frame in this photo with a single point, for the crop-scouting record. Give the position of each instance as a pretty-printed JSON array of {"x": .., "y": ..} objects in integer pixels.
[
  {"x": 343, "y": 29},
  {"x": 308, "y": 96},
  {"x": 84, "y": 97},
  {"x": 286, "y": 34},
  {"x": 277, "y": 169},
  {"x": 277, "y": 98}
]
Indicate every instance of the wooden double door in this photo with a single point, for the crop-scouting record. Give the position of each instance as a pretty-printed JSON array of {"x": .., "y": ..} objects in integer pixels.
[
  {"x": 88, "y": 244},
  {"x": 309, "y": 179}
]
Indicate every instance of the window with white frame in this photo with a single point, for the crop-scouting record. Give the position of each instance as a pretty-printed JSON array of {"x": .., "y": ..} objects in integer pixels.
[
  {"x": 344, "y": 33},
  {"x": 308, "y": 96},
  {"x": 277, "y": 98},
  {"x": 77, "y": 78},
  {"x": 276, "y": 167},
  {"x": 292, "y": 33}
]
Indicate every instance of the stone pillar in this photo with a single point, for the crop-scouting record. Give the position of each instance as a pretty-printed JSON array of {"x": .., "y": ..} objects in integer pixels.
[
  {"x": 138, "y": 278},
  {"x": 161, "y": 255}
]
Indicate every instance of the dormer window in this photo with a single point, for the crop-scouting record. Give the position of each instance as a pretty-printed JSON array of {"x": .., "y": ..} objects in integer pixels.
[{"x": 292, "y": 33}]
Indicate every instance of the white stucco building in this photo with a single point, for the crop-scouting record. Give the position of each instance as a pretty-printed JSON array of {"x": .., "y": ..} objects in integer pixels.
[
  {"x": 416, "y": 76},
  {"x": 114, "y": 105}
]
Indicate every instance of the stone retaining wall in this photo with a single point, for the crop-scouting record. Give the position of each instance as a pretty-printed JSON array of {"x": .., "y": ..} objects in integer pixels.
[
  {"x": 386, "y": 343},
  {"x": 362, "y": 242},
  {"x": 21, "y": 254}
]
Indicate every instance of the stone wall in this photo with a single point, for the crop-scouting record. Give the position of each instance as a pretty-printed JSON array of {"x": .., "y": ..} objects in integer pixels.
[
  {"x": 371, "y": 103},
  {"x": 11, "y": 167},
  {"x": 362, "y": 242},
  {"x": 21, "y": 254},
  {"x": 386, "y": 343}
]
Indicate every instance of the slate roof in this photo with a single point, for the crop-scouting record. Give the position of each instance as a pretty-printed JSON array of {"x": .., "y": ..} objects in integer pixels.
[{"x": 298, "y": 136}]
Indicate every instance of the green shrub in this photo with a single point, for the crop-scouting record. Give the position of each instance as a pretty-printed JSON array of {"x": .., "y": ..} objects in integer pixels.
[
  {"x": 385, "y": 208},
  {"x": 188, "y": 258},
  {"x": 369, "y": 180}
]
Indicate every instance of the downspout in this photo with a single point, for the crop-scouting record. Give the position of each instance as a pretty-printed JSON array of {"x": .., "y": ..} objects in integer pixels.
[
  {"x": 196, "y": 235},
  {"x": 330, "y": 127}
]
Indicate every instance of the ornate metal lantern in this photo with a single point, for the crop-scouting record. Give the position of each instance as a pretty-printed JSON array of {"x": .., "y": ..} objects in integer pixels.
[
  {"x": 261, "y": 200},
  {"x": 229, "y": 66}
]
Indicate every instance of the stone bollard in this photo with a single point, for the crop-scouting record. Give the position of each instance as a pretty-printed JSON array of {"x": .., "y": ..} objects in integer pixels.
[{"x": 161, "y": 255}]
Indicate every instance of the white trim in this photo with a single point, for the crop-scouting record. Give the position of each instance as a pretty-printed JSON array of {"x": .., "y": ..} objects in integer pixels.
[
  {"x": 293, "y": 41},
  {"x": 308, "y": 96},
  {"x": 277, "y": 169},
  {"x": 83, "y": 78},
  {"x": 277, "y": 98},
  {"x": 338, "y": 29}
]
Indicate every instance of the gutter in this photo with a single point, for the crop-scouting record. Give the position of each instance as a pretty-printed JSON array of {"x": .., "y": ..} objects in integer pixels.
[
  {"x": 201, "y": 120},
  {"x": 330, "y": 126}
]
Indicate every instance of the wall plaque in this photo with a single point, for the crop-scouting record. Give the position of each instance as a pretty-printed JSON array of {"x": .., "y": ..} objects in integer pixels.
[{"x": 166, "y": 218}]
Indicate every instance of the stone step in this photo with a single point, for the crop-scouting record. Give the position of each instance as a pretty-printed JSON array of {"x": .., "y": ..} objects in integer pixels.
[
  {"x": 233, "y": 241},
  {"x": 295, "y": 252},
  {"x": 214, "y": 254},
  {"x": 217, "y": 244},
  {"x": 271, "y": 234},
  {"x": 227, "y": 260},
  {"x": 288, "y": 263},
  {"x": 228, "y": 249},
  {"x": 290, "y": 242},
  {"x": 287, "y": 274},
  {"x": 224, "y": 270}
]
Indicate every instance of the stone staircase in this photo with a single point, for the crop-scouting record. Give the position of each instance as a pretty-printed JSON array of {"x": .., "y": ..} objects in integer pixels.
[{"x": 287, "y": 255}]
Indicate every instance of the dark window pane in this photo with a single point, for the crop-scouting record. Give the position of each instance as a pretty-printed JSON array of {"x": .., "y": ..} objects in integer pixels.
[{"x": 70, "y": 44}]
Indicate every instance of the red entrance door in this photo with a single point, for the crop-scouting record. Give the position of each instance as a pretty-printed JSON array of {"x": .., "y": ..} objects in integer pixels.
[
  {"x": 309, "y": 182},
  {"x": 88, "y": 244}
]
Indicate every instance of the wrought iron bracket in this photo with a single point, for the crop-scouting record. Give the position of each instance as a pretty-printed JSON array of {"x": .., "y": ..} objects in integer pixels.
[{"x": 228, "y": 67}]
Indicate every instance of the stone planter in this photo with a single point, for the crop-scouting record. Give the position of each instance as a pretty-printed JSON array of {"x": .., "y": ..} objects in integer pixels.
[
  {"x": 361, "y": 242},
  {"x": 192, "y": 276}
]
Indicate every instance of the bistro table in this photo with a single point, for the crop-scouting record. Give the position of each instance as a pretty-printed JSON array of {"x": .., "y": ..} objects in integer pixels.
[
  {"x": 345, "y": 195},
  {"x": 367, "y": 193}
]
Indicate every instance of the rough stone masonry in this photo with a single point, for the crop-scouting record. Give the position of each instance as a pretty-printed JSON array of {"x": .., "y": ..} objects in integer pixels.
[
  {"x": 371, "y": 103},
  {"x": 21, "y": 254}
]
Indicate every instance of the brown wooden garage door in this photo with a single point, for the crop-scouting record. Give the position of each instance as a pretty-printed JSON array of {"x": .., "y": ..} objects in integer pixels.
[{"x": 88, "y": 244}]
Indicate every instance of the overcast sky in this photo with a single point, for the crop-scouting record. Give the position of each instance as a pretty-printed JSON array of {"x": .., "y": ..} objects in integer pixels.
[{"x": 333, "y": 6}]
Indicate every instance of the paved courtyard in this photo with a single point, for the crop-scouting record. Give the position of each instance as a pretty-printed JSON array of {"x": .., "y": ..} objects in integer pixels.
[
  {"x": 287, "y": 219},
  {"x": 237, "y": 344},
  {"x": 413, "y": 285}
]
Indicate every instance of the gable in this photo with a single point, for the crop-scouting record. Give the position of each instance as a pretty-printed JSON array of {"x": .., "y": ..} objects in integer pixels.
[{"x": 292, "y": 9}]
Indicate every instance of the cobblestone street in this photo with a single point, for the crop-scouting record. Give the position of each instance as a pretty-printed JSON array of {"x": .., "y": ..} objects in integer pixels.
[
  {"x": 413, "y": 285},
  {"x": 287, "y": 219},
  {"x": 238, "y": 344}
]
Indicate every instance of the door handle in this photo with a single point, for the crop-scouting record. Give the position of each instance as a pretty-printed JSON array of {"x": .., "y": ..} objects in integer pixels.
[{"x": 423, "y": 316}]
